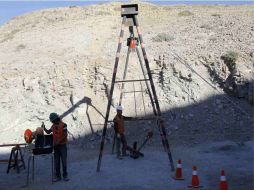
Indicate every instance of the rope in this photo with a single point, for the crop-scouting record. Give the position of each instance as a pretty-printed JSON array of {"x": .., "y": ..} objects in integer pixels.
[
  {"x": 135, "y": 103},
  {"x": 142, "y": 93},
  {"x": 182, "y": 88},
  {"x": 142, "y": 89}
]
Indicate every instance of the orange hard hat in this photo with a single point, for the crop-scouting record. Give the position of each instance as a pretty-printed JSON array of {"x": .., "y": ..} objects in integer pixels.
[{"x": 28, "y": 135}]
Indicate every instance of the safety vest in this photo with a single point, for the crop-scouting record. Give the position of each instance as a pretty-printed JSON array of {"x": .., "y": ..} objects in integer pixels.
[
  {"x": 119, "y": 124},
  {"x": 59, "y": 133}
]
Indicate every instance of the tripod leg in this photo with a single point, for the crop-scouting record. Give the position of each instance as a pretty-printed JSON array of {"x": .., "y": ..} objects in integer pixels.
[
  {"x": 111, "y": 94},
  {"x": 162, "y": 128},
  {"x": 164, "y": 138}
]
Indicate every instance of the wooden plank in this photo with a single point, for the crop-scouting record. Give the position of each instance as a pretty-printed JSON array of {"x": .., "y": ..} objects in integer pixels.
[{"x": 21, "y": 144}]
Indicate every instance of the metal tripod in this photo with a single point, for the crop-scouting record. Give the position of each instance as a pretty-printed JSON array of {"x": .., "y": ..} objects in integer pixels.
[{"x": 130, "y": 12}]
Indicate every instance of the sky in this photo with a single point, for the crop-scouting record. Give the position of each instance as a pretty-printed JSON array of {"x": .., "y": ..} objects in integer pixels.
[{"x": 12, "y": 8}]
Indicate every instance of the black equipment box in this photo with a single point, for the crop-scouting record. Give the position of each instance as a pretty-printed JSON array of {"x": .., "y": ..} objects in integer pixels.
[
  {"x": 129, "y": 10},
  {"x": 43, "y": 144}
]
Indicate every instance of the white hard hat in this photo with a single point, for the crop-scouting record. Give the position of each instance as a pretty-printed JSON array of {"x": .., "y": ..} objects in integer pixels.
[{"x": 119, "y": 107}]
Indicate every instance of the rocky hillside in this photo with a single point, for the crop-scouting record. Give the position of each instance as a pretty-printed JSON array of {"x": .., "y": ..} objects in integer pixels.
[{"x": 61, "y": 60}]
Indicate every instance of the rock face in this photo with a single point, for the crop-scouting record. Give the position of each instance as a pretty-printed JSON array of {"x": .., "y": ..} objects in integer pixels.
[
  {"x": 62, "y": 60},
  {"x": 230, "y": 78}
]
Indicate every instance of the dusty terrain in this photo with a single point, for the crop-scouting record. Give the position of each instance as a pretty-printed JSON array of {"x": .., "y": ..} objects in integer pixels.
[{"x": 52, "y": 60}]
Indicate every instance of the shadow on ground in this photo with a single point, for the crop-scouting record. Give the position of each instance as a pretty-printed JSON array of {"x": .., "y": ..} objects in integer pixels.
[{"x": 213, "y": 120}]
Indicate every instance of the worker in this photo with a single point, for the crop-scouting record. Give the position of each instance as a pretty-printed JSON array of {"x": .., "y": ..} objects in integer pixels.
[
  {"x": 119, "y": 130},
  {"x": 59, "y": 129}
]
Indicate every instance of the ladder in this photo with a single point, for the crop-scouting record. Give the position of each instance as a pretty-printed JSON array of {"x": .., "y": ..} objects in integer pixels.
[{"x": 129, "y": 14}]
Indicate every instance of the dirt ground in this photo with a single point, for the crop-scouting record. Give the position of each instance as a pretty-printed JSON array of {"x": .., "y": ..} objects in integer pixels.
[{"x": 150, "y": 172}]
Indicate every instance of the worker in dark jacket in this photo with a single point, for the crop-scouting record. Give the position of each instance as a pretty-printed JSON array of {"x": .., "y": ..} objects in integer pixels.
[
  {"x": 119, "y": 130},
  {"x": 59, "y": 130}
]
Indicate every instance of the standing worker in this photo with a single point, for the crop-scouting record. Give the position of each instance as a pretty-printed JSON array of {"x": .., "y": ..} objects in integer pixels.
[
  {"x": 59, "y": 130},
  {"x": 119, "y": 130}
]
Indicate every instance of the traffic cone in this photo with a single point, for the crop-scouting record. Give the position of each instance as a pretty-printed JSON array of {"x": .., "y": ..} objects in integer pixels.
[
  {"x": 195, "y": 180},
  {"x": 179, "y": 175},
  {"x": 223, "y": 181}
]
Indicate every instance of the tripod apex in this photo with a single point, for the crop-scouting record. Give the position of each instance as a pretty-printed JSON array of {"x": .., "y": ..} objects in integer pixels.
[{"x": 129, "y": 10}]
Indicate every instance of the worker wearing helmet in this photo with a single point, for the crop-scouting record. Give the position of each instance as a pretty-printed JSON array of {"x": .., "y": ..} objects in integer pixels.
[
  {"x": 59, "y": 130},
  {"x": 119, "y": 129}
]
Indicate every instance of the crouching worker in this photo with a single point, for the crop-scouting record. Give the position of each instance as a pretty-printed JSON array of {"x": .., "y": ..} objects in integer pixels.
[
  {"x": 59, "y": 130},
  {"x": 119, "y": 130}
]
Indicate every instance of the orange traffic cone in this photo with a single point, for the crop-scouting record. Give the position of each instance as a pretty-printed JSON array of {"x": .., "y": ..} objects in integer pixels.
[
  {"x": 223, "y": 181},
  {"x": 132, "y": 44},
  {"x": 179, "y": 175},
  {"x": 195, "y": 180}
]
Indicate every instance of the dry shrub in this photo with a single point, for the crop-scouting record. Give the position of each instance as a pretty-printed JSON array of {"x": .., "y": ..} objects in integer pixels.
[
  {"x": 185, "y": 13},
  {"x": 163, "y": 37}
]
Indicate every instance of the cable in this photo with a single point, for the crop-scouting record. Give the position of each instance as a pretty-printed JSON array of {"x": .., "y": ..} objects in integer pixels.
[{"x": 177, "y": 84}]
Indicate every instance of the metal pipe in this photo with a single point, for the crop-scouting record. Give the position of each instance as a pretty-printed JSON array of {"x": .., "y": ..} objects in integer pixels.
[
  {"x": 147, "y": 84},
  {"x": 135, "y": 100},
  {"x": 124, "y": 75}
]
